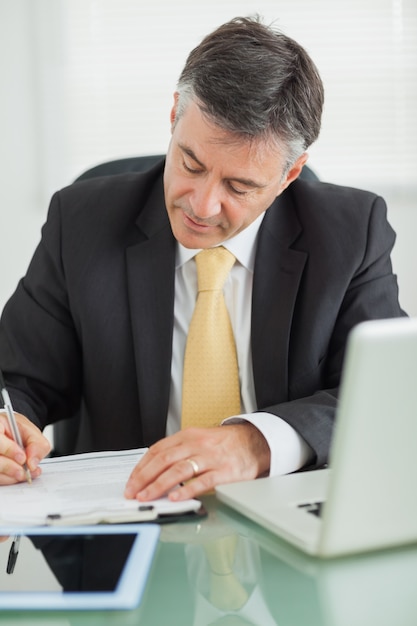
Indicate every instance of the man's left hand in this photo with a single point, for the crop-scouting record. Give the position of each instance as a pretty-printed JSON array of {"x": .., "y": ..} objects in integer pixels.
[{"x": 198, "y": 459}]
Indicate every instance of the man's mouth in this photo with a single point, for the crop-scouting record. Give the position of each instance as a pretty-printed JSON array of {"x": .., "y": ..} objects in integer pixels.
[{"x": 190, "y": 222}]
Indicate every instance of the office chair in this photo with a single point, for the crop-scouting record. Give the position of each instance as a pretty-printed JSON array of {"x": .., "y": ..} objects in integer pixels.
[
  {"x": 65, "y": 432},
  {"x": 143, "y": 163},
  {"x": 122, "y": 166}
]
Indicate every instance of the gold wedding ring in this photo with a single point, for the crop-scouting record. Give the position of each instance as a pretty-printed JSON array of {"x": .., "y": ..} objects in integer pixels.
[{"x": 194, "y": 465}]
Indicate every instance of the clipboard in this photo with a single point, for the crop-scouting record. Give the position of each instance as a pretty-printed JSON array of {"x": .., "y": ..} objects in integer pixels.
[{"x": 87, "y": 489}]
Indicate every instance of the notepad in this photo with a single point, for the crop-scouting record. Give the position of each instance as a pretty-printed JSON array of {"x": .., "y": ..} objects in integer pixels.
[{"x": 85, "y": 489}]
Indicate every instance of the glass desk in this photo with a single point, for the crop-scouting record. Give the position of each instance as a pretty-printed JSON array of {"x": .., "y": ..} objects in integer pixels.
[{"x": 226, "y": 570}]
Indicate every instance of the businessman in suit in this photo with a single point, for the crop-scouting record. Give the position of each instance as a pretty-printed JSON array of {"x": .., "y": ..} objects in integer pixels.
[{"x": 98, "y": 325}]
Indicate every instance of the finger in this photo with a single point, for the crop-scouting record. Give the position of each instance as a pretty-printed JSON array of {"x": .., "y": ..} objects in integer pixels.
[
  {"x": 227, "y": 454},
  {"x": 163, "y": 485},
  {"x": 182, "y": 467},
  {"x": 202, "y": 484},
  {"x": 10, "y": 471},
  {"x": 165, "y": 452},
  {"x": 223, "y": 454},
  {"x": 12, "y": 456},
  {"x": 11, "y": 465},
  {"x": 35, "y": 452},
  {"x": 8, "y": 447},
  {"x": 18, "y": 475},
  {"x": 37, "y": 446},
  {"x": 157, "y": 472},
  {"x": 10, "y": 450},
  {"x": 167, "y": 463},
  {"x": 182, "y": 472}
]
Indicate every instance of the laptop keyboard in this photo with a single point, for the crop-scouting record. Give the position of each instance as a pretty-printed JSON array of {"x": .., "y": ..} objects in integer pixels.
[{"x": 315, "y": 508}]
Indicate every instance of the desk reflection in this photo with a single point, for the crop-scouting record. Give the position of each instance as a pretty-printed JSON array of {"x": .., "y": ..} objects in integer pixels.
[
  {"x": 278, "y": 584},
  {"x": 228, "y": 571}
]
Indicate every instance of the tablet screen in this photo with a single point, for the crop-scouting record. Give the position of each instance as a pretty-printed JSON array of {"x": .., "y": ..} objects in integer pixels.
[{"x": 90, "y": 567}]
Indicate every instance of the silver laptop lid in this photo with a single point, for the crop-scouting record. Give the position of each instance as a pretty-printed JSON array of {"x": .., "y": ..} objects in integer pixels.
[{"x": 372, "y": 500}]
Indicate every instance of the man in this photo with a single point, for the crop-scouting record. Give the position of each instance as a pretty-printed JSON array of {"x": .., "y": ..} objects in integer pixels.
[{"x": 99, "y": 324}]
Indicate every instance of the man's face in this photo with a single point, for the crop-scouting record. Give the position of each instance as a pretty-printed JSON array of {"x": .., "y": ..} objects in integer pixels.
[{"x": 216, "y": 185}]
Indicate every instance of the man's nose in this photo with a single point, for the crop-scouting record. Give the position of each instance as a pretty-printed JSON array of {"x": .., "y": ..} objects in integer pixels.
[{"x": 206, "y": 200}]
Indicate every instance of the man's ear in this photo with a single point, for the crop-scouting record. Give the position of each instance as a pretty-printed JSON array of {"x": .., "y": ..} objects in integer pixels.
[
  {"x": 174, "y": 110},
  {"x": 294, "y": 171}
]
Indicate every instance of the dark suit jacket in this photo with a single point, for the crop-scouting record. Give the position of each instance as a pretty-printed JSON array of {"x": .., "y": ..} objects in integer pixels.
[{"x": 91, "y": 323}]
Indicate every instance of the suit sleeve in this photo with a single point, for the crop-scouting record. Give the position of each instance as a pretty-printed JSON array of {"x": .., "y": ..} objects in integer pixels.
[
  {"x": 39, "y": 349},
  {"x": 368, "y": 290}
]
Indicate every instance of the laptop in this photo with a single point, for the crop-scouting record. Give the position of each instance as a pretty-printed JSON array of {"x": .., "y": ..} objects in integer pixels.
[{"x": 367, "y": 498}]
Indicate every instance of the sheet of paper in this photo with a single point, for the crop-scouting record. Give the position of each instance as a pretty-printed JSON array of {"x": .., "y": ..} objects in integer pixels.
[{"x": 76, "y": 485}]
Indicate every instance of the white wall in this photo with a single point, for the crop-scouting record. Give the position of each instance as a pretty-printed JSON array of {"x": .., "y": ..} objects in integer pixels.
[{"x": 85, "y": 81}]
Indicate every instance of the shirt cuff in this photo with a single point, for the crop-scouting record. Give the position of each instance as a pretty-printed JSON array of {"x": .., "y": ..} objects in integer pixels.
[{"x": 289, "y": 451}]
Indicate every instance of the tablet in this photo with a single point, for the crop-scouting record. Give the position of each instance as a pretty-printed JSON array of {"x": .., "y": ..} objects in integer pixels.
[{"x": 83, "y": 567}]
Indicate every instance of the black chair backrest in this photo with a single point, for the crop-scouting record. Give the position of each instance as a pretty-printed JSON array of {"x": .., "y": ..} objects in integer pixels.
[
  {"x": 121, "y": 166},
  {"x": 143, "y": 163}
]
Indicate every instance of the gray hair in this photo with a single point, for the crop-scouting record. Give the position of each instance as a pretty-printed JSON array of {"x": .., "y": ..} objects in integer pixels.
[{"x": 256, "y": 82}]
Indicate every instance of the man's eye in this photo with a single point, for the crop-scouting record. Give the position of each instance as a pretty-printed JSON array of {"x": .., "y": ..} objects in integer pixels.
[
  {"x": 190, "y": 169},
  {"x": 238, "y": 192}
]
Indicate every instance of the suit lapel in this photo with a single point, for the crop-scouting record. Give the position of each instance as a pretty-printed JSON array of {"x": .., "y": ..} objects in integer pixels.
[
  {"x": 277, "y": 275},
  {"x": 151, "y": 273}
]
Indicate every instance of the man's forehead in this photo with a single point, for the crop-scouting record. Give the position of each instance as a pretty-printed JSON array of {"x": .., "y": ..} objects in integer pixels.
[
  {"x": 257, "y": 146},
  {"x": 240, "y": 158}
]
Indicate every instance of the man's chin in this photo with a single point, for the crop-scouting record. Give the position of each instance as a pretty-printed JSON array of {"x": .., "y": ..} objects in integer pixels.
[
  {"x": 207, "y": 238},
  {"x": 197, "y": 243}
]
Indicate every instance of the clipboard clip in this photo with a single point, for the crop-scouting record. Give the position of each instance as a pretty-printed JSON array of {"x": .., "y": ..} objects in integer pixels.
[{"x": 144, "y": 513}]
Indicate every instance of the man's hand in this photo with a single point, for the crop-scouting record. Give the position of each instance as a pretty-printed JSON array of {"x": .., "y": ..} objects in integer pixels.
[
  {"x": 208, "y": 456},
  {"x": 12, "y": 457}
]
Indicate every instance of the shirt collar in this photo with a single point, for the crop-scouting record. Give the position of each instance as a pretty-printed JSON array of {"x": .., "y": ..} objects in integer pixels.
[{"x": 242, "y": 246}]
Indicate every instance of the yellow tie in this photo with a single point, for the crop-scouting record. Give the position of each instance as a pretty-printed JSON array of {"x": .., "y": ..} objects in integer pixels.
[
  {"x": 226, "y": 590},
  {"x": 211, "y": 388}
]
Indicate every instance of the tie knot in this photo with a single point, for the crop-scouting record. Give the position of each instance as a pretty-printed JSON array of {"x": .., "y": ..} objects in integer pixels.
[{"x": 213, "y": 266}]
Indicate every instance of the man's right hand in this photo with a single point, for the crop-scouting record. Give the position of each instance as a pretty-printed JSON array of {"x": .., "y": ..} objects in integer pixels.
[{"x": 12, "y": 457}]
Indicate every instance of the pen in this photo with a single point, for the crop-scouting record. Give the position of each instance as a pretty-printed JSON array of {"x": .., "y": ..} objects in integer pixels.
[
  {"x": 12, "y": 422},
  {"x": 13, "y": 554}
]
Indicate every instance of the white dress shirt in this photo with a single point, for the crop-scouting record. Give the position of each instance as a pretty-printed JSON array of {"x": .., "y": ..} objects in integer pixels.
[{"x": 289, "y": 451}]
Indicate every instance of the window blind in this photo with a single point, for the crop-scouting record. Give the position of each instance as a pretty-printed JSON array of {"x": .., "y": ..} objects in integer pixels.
[{"x": 112, "y": 68}]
